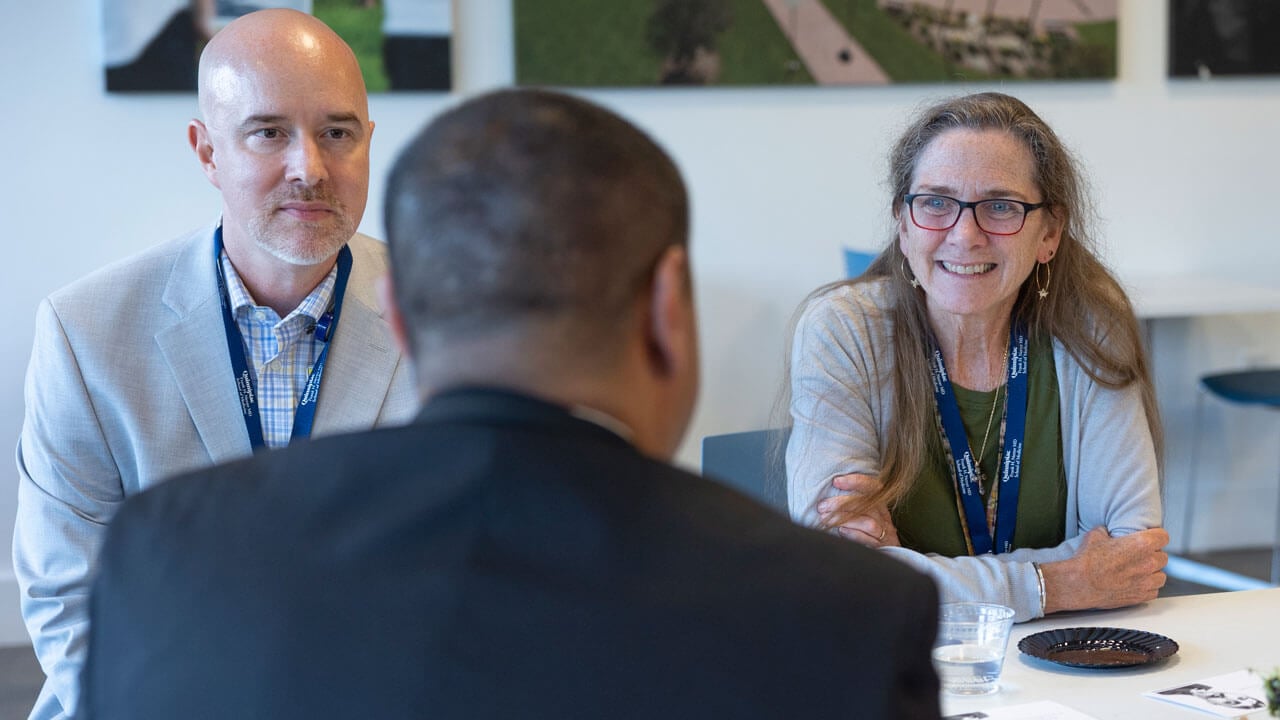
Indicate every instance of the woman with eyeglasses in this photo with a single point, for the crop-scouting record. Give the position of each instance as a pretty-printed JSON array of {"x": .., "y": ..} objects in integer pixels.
[{"x": 978, "y": 403}]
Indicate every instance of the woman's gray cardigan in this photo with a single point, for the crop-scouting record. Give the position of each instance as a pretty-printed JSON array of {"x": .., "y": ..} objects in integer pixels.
[{"x": 842, "y": 393}]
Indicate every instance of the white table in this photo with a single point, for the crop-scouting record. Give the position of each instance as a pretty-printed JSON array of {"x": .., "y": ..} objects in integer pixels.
[
  {"x": 1217, "y": 633},
  {"x": 1179, "y": 296}
]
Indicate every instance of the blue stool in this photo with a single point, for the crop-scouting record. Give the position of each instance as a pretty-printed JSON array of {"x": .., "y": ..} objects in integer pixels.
[{"x": 1246, "y": 387}]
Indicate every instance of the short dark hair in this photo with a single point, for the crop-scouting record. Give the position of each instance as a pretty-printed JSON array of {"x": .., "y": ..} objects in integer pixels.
[{"x": 521, "y": 206}]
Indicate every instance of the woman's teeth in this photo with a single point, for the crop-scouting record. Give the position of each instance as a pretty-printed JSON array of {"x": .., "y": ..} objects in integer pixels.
[{"x": 976, "y": 269}]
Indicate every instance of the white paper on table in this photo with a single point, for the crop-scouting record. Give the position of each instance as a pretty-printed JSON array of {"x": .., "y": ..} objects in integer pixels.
[
  {"x": 1232, "y": 695},
  {"x": 1043, "y": 710}
]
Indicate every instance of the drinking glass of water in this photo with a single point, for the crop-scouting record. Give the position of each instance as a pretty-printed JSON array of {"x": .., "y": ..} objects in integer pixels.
[{"x": 969, "y": 651}]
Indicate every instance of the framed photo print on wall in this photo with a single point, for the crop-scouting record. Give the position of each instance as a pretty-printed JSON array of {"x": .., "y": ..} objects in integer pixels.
[
  {"x": 154, "y": 45},
  {"x": 808, "y": 42},
  {"x": 1224, "y": 37}
]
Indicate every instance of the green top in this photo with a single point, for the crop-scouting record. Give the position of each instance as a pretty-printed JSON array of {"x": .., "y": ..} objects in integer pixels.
[{"x": 928, "y": 520}]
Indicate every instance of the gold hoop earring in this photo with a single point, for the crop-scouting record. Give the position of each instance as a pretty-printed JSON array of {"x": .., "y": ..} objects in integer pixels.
[
  {"x": 1043, "y": 291},
  {"x": 909, "y": 278}
]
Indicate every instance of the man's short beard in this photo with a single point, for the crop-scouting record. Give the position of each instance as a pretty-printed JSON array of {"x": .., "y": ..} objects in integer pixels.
[
  {"x": 308, "y": 253},
  {"x": 322, "y": 240}
]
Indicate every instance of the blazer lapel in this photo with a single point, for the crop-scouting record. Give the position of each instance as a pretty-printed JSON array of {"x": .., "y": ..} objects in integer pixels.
[
  {"x": 361, "y": 364},
  {"x": 196, "y": 352},
  {"x": 357, "y": 379}
]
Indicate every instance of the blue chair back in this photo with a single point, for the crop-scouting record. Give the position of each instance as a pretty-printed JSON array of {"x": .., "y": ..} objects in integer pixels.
[
  {"x": 856, "y": 262},
  {"x": 1249, "y": 387},
  {"x": 751, "y": 462}
]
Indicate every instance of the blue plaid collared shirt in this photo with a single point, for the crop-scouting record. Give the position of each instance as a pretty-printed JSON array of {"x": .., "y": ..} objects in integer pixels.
[{"x": 282, "y": 351}]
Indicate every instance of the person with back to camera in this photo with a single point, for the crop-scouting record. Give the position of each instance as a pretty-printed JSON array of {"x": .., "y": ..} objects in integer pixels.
[
  {"x": 978, "y": 403},
  {"x": 186, "y": 354},
  {"x": 523, "y": 548}
]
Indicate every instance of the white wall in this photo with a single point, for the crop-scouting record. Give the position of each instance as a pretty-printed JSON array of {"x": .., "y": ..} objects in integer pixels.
[{"x": 781, "y": 179}]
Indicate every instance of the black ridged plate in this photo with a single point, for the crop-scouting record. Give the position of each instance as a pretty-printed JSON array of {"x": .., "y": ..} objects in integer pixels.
[{"x": 1098, "y": 647}]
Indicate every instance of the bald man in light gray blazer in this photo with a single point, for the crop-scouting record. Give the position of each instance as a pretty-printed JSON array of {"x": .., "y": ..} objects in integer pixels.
[
  {"x": 115, "y": 407},
  {"x": 131, "y": 377}
]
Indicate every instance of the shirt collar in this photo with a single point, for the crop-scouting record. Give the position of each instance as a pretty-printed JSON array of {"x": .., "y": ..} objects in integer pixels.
[
  {"x": 488, "y": 404},
  {"x": 604, "y": 420},
  {"x": 315, "y": 304}
]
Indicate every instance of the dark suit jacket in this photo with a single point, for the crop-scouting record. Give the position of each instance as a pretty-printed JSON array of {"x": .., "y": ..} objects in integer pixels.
[{"x": 497, "y": 558}]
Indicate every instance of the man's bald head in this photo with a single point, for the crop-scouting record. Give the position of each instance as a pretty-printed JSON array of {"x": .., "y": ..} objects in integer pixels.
[
  {"x": 285, "y": 138},
  {"x": 273, "y": 46}
]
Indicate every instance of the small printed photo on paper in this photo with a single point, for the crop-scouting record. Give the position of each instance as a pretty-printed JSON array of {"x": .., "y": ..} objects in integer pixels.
[{"x": 1233, "y": 695}]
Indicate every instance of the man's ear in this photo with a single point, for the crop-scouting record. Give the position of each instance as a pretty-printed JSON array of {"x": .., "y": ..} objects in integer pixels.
[
  {"x": 391, "y": 312},
  {"x": 672, "y": 335},
  {"x": 672, "y": 343},
  {"x": 198, "y": 138}
]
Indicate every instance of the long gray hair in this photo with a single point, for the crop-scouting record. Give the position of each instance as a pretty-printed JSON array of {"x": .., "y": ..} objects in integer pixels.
[{"x": 1086, "y": 309}]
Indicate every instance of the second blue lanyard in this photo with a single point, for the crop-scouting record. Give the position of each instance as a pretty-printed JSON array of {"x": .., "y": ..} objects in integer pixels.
[
  {"x": 246, "y": 387},
  {"x": 966, "y": 471}
]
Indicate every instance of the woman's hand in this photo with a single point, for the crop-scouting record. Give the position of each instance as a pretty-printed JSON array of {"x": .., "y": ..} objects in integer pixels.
[
  {"x": 870, "y": 526},
  {"x": 1108, "y": 572}
]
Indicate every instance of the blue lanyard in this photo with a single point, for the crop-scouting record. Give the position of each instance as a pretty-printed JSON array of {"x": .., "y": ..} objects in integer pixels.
[
  {"x": 975, "y": 516},
  {"x": 305, "y": 415}
]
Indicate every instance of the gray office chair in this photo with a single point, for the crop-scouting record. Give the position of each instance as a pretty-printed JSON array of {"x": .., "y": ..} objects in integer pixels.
[{"x": 751, "y": 462}]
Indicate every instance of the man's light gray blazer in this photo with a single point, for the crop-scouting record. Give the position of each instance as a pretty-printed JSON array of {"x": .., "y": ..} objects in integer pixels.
[{"x": 129, "y": 384}]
